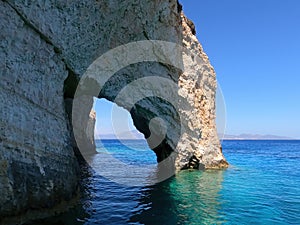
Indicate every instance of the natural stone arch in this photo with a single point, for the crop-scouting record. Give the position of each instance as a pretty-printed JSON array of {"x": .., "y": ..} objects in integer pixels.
[
  {"x": 46, "y": 43},
  {"x": 104, "y": 77}
]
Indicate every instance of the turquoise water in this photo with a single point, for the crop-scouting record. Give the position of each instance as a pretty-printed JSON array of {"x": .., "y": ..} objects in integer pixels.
[{"x": 261, "y": 187}]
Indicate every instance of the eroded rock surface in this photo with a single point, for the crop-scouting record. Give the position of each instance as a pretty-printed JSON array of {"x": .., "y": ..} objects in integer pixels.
[
  {"x": 37, "y": 164},
  {"x": 45, "y": 48}
]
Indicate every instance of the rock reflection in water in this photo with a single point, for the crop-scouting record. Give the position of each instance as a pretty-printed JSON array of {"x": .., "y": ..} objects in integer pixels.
[{"x": 191, "y": 197}]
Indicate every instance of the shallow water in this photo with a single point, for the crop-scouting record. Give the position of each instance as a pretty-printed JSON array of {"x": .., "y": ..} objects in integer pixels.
[{"x": 261, "y": 187}]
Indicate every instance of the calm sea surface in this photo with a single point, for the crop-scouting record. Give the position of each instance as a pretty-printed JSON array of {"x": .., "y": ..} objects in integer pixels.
[{"x": 262, "y": 186}]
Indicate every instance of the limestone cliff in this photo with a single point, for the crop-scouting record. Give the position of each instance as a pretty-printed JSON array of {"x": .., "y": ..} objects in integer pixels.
[{"x": 45, "y": 48}]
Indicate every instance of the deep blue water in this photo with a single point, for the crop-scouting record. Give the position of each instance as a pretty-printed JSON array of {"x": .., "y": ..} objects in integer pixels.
[{"x": 262, "y": 186}]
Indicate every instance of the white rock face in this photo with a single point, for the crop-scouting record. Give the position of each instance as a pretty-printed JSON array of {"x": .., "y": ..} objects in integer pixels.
[
  {"x": 45, "y": 47},
  {"x": 199, "y": 88},
  {"x": 37, "y": 164}
]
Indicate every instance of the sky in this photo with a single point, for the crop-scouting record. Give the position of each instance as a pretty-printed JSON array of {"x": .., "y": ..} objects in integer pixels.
[
  {"x": 254, "y": 47},
  {"x": 112, "y": 119}
]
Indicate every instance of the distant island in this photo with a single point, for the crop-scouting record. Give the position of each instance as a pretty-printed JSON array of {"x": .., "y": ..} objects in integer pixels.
[
  {"x": 253, "y": 137},
  {"x": 135, "y": 135},
  {"x": 129, "y": 135}
]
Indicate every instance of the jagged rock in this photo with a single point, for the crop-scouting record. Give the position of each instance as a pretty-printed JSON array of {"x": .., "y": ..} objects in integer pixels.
[{"x": 45, "y": 48}]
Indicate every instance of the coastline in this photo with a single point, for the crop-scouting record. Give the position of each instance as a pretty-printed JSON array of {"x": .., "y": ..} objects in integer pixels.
[{"x": 231, "y": 139}]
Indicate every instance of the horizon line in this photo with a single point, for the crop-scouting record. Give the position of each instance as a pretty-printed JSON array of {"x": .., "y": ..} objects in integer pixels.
[{"x": 225, "y": 139}]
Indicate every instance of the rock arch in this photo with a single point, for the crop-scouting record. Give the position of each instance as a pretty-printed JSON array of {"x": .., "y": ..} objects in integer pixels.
[{"x": 45, "y": 48}]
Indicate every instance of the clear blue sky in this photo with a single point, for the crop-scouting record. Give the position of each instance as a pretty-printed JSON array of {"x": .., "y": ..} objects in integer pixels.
[
  {"x": 255, "y": 48},
  {"x": 106, "y": 112}
]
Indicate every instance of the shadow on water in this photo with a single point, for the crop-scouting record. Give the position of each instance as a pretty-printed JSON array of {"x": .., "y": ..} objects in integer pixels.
[{"x": 191, "y": 197}]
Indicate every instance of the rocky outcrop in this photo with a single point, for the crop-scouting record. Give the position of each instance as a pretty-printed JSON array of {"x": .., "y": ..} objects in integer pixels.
[
  {"x": 86, "y": 122},
  {"x": 45, "y": 48},
  {"x": 37, "y": 164},
  {"x": 200, "y": 91}
]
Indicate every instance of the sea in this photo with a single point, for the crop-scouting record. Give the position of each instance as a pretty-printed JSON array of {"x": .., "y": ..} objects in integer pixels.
[{"x": 261, "y": 186}]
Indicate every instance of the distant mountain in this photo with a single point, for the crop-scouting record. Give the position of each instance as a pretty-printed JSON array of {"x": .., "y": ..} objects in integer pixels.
[
  {"x": 129, "y": 135},
  {"x": 253, "y": 137},
  {"x": 136, "y": 135}
]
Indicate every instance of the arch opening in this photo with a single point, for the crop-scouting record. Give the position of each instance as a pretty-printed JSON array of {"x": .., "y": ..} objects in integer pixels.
[
  {"x": 116, "y": 134},
  {"x": 155, "y": 92},
  {"x": 150, "y": 118},
  {"x": 122, "y": 128}
]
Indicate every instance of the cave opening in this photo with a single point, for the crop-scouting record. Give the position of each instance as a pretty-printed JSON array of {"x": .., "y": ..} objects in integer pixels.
[
  {"x": 116, "y": 134},
  {"x": 149, "y": 119},
  {"x": 113, "y": 122}
]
